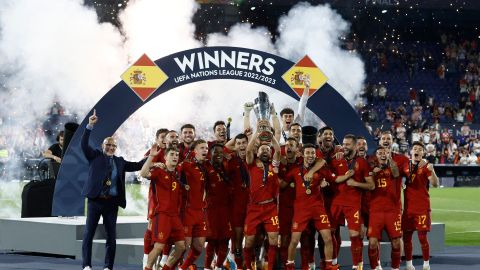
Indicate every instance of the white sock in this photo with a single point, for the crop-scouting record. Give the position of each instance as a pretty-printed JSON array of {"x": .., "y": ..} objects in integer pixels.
[
  {"x": 409, "y": 263},
  {"x": 334, "y": 261},
  {"x": 144, "y": 261},
  {"x": 426, "y": 263},
  {"x": 164, "y": 259},
  {"x": 290, "y": 261}
]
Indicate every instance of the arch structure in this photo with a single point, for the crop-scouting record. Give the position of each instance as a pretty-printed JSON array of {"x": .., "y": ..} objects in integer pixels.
[{"x": 147, "y": 79}]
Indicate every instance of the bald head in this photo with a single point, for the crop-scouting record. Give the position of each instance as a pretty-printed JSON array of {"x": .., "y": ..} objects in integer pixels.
[{"x": 109, "y": 146}]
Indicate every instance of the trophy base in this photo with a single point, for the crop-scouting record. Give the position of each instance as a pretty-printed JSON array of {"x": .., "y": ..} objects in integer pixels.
[{"x": 265, "y": 136}]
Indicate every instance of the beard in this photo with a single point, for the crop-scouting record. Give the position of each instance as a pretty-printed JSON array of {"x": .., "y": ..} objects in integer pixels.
[{"x": 264, "y": 158}]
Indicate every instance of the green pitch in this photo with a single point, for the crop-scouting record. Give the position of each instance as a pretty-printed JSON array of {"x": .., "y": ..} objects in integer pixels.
[{"x": 459, "y": 209}]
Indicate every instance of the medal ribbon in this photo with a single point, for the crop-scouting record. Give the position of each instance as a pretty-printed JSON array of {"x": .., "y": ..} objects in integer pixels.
[
  {"x": 266, "y": 167},
  {"x": 413, "y": 170},
  {"x": 243, "y": 173},
  {"x": 305, "y": 183}
]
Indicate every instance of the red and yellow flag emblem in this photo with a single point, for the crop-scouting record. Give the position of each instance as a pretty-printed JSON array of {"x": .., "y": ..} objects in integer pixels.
[
  {"x": 305, "y": 68},
  {"x": 144, "y": 77}
]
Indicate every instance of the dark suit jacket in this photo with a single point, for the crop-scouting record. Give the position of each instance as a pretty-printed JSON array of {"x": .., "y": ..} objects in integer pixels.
[{"x": 98, "y": 171}]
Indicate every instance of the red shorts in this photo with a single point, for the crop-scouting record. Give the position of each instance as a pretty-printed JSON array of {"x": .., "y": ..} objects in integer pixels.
[
  {"x": 165, "y": 228},
  {"x": 350, "y": 213},
  {"x": 304, "y": 214},
  {"x": 239, "y": 212},
  {"x": 195, "y": 223},
  {"x": 416, "y": 222},
  {"x": 390, "y": 221},
  {"x": 261, "y": 214},
  {"x": 285, "y": 216},
  {"x": 218, "y": 223}
]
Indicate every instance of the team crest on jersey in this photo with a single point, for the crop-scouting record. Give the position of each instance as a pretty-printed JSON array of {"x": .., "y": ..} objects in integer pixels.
[
  {"x": 160, "y": 235},
  {"x": 294, "y": 225},
  {"x": 185, "y": 229},
  {"x": 356, "y": 166}
]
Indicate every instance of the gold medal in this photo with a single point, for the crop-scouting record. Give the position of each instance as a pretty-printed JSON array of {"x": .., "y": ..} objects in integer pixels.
[
  {"x": 292, "y": 184},
  {"x": 187, "y": 187},
  {"x": 108, "y": 182},
  {"x": 308, "y": 191}
]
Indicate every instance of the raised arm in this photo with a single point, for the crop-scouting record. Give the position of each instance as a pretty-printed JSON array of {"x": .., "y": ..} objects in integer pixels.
[
  {"x": 88, "y": 151},
  {"x": 251, "y": 148},
  {"x": 433, "y": 177},
  {"x": 275, "y": 123},
  {"x": 277, "y": 154},
  {"x": 145, "y": 171},
  {"x": 230, "y": 145},
  {"x": 246, "y": 117},
  {"x": 302, "y": 104}
]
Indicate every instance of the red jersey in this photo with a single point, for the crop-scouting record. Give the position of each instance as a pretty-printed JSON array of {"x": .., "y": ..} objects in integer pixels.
[
  {"x": 159, "y": 157},
  {"x": 260, "y": 189},
  {"x": 346, "y": 195},
  {"x": 327, "y": 170},
  {"x": 401, "y": 161},
  {"x": 166, "y": 191},
  {"x": 301, "y": 197},
  {"x": 384, "y": 198},
  {"x": 416, "y": 197},
  {"x": 195, "y": 176},
  {"x": 151, "y": 198},
  {"x": 238, "y": 175},
  {"x": 218, "y": 187},
  {"x": 286, "y": 196},
  {"x": 372, "y": 162},
  {"x": 184, "y": 152}
]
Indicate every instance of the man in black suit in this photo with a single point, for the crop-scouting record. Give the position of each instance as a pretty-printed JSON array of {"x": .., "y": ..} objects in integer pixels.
[{"x": 105, "y": 190}]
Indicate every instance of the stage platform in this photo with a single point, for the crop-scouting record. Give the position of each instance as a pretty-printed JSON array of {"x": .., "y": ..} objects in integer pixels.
[{"x": 63, "y": 236}]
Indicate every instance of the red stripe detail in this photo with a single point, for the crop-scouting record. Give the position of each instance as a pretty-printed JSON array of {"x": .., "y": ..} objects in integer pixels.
[
  {"x": 299, "y": 91},
  {"x": 144, "y": 93},
  {"x": 144, "y": 61},
  {"x": 305, "y": 62}
]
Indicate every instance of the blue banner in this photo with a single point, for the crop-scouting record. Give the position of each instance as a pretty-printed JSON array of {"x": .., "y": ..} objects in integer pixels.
[{"x": 139, "y": 87}]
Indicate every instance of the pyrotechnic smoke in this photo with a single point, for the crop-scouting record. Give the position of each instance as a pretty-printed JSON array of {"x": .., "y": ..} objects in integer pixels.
[
  {"x": 316, "y": 31},
  {"x": 62, "y": 53}
]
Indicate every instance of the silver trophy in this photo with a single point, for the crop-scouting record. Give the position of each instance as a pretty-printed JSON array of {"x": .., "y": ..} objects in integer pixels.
[{"x": 262, "y": 109}]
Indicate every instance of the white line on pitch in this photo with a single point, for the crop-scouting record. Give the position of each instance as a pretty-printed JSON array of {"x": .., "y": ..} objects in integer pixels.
[
  {"x": 454, "y": 210},
  {"x": 464, "y": 232}
]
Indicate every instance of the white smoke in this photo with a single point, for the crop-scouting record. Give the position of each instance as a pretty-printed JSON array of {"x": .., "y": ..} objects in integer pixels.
[
  {"x": 62, "y": 53},
  {"x": 243, "y": 35},
  {"x": 316, "y": 31},
  {"x": 52, "y": 50},
  {"x": 158, "y": 28}
]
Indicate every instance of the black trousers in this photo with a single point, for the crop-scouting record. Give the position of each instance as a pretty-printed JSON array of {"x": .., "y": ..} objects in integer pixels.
[{"x": 108, "y": 209}]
